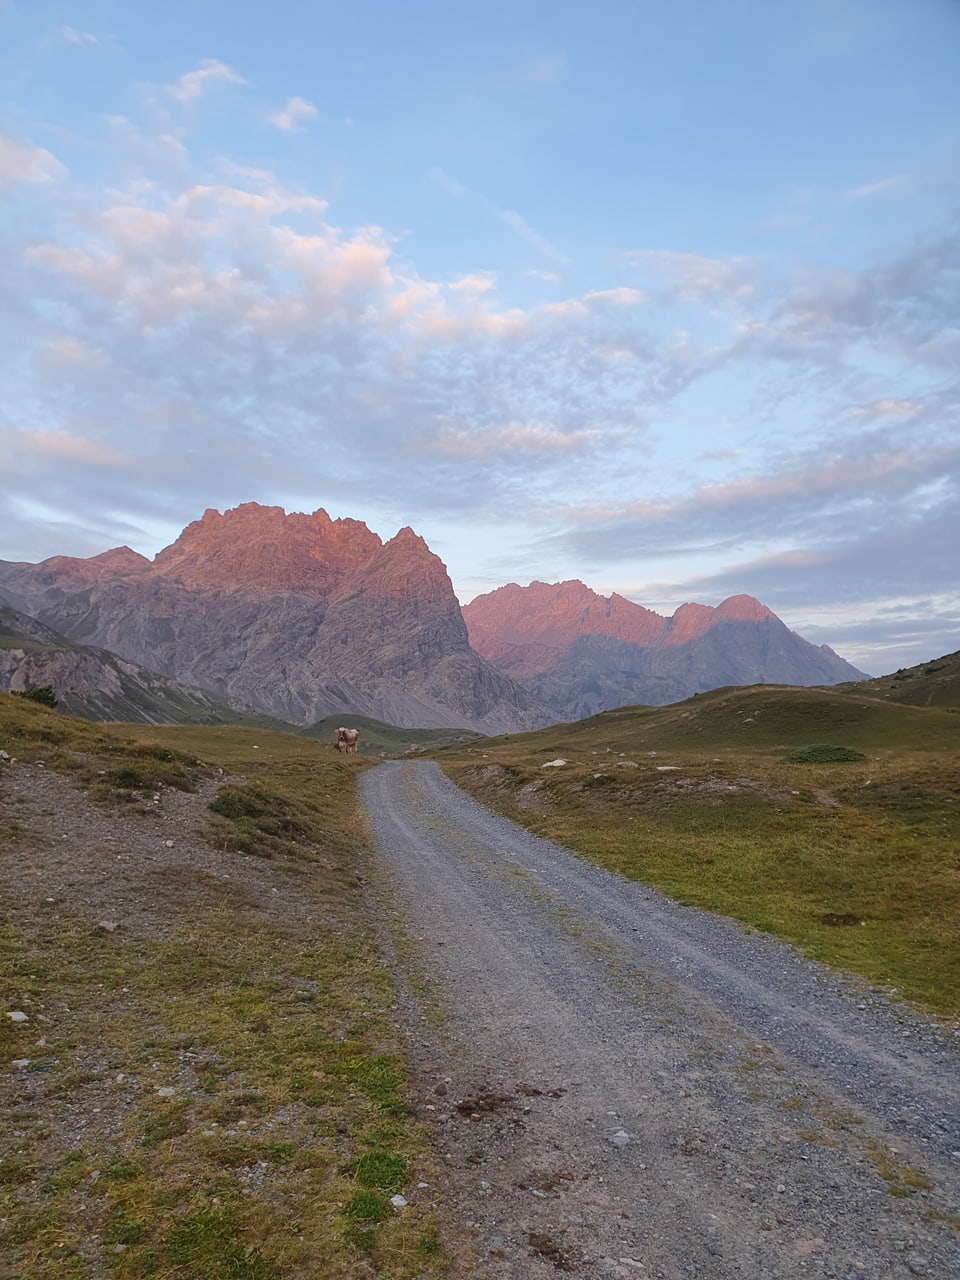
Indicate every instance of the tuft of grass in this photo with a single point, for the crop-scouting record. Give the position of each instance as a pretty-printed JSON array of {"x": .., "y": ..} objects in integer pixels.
[
  {"x": 367, "y": 1206},
  {"x": 262, "y": 820},
  {"x": 901, "y": 1180},
  {"x": 384, "y": 1170}
]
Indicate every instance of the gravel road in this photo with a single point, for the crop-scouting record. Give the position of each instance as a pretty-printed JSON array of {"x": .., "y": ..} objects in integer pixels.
[{"x": 623, "y": 1087}]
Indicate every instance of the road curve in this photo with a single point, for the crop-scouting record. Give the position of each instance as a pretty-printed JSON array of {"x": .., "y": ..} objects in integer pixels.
[{"x": 621, "y": 1086}]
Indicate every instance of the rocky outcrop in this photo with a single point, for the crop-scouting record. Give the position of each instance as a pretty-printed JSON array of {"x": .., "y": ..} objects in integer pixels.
[
  {"x": 581, "y": 653},
  {"x": 93, "y": 683},
  {"x": 295, "y": 616}
]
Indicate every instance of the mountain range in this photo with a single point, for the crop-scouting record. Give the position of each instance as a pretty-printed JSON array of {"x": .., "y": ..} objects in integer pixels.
[
  {"x": 581, "y": 653},
  {"x": 301, "y": 617},
  {"x": 293, "y": 616}
]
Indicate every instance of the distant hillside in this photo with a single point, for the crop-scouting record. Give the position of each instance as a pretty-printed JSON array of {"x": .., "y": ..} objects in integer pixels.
[
  {"x": 763, "y": 718},
  {"x": 97, "y": 685},
  {"x": 930, "y": 684},
  {"x": 377, "y": 738},
  {"x": 580, "y": 652}
]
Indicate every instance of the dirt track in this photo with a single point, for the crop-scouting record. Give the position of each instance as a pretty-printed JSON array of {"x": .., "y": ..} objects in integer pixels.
[{"x": 623, "y": 1087}]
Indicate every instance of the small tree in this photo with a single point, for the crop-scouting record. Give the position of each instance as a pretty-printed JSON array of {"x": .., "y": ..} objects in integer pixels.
[{"x": 42, "y": 693}]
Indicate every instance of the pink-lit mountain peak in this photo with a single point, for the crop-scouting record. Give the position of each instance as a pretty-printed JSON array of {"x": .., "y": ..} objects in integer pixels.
[
  {"x": 265, "y": 551},
  {"x": 556, "y": 613}
]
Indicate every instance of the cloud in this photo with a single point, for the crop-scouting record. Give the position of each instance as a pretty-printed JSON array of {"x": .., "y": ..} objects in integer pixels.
[
  {"x": 67, "y": 350},
  {"x": 72, "y": 36},
  {"x": 56, "y": 446},
  {"x": 884, "y": 186},
  {"x": 886, "y": 409},
  {"x": 202, "y": 332},
  {"x": 544, "y": 68},
  {"x": 533, "y": 238},
  {"x": 208, "y": 75},
  {"x": 515, "y": 221},
  {"x": 691, "y": 277},
  {"x": 526, "y": 438},
  {"x": 221, "y": 316},
  {"x": 290, "y": 118},
  {"x": 907, "y": 303},
  {"x": 20, "y": 163},
  {"x": 475, "y": 282},
  {"x": 848, "y": 491},
  {"x": 528, "y": 74}
]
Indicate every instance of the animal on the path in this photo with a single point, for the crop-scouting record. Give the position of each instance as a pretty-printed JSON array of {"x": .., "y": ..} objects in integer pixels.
[{"x": 347, "y": 741}]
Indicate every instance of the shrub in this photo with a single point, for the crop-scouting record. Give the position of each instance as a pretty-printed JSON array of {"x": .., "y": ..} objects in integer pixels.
[
  {"x": 42, "y": 693},
  {"x": 820, "y": 754}
]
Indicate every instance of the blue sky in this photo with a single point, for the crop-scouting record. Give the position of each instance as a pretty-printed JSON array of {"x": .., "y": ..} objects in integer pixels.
[{"x": 662, "y": 297}]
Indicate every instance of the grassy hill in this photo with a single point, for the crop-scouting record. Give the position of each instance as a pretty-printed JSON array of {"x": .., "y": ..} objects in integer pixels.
[
  {"x": 857, "y": 862},
  {"x": 931, "y": 684},
  {"x": 763, "y": 717}
]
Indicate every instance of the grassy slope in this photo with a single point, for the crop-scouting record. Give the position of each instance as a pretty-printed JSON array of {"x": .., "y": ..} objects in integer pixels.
[
  {"x": 857, "y": 862},
  {"x": 302, "y": 1087},
  {"x": 931, "y": 684}
]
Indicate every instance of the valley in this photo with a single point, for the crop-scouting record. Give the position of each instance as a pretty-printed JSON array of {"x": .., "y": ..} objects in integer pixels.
[{"x": 267, "y": 1007}]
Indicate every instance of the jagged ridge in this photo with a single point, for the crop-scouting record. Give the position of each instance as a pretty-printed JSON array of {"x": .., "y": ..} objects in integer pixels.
[{"x": 581, "y": 652}]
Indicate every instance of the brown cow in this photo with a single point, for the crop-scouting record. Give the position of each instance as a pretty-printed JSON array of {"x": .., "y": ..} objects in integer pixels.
[{"x": 347, "y": 741}]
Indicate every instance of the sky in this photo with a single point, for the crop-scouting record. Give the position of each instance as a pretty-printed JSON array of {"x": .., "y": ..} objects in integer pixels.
[{"x": 663, "y": 297}]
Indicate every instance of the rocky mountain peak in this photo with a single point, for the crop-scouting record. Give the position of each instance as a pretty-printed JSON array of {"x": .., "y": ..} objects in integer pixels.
[
  {"x": 263, "y": 551},
  {"x": 692, "y": 620},
  {"x": 743, "y": 609},
  {"x": 554, "y": 614},
  {"x": 108, "y": 564},
  {"x": 119, "y": 560},
  {"x": 405, "y": 568}
]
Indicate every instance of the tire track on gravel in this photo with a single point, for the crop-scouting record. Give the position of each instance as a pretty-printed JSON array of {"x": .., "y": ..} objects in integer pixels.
[{"x": 645, "y": 1089}]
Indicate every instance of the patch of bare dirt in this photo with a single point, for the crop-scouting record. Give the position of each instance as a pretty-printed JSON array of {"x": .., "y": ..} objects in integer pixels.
[
  {"x": 533, "y": 798},
  {"x": 128, "y": 863}
]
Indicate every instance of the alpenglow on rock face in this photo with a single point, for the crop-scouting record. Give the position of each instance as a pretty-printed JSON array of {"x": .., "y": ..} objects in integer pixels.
[
  {"x": 581, "y": 653},
  {"x": 296, "y": 616}
]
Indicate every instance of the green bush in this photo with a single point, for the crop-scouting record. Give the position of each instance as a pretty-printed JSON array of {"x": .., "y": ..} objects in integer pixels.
[
  {"x": 820, "y": 754},
  {"x": 42, "y": 693}
]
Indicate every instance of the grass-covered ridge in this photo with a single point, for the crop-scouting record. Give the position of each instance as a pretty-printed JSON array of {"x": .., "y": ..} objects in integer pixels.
[
  {"x": 929, "y": 684},
  {"x": 213, "y": 1088},
  {"x": 855, "y": 860}
]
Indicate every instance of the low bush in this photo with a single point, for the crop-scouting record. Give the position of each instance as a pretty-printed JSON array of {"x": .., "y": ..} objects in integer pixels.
[
  {"x": 820, "y": 754},
  {"x": 42, "y": 693}
]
